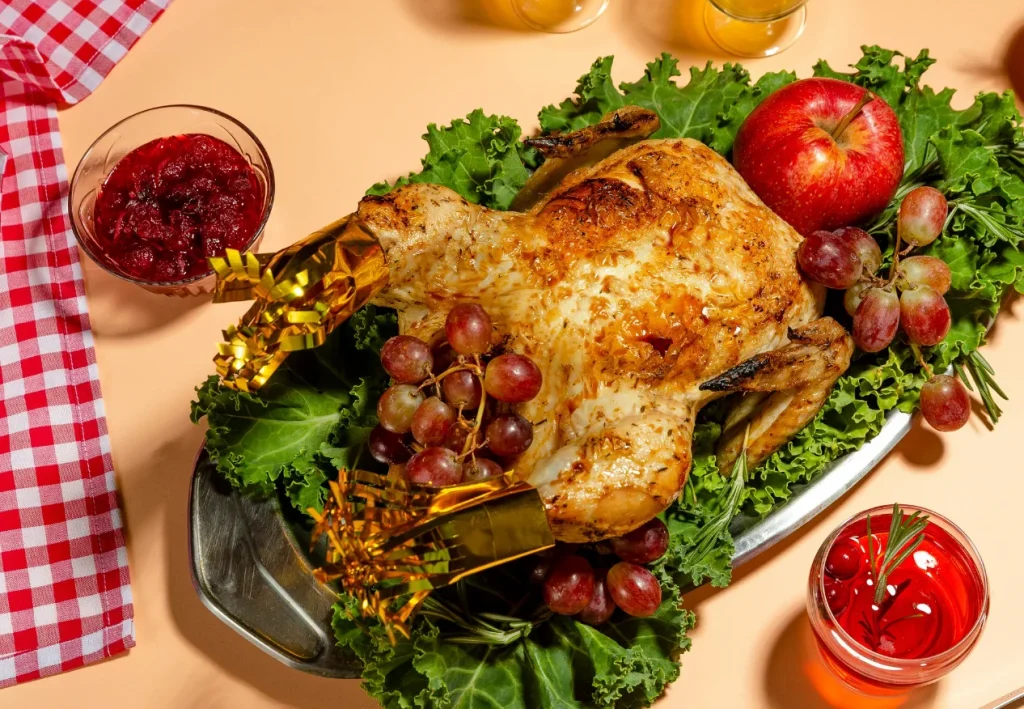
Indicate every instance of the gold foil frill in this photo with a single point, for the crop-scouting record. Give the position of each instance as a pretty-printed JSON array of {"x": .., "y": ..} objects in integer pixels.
[
  {"x": 302, "y": 294},
  {"x": 390, "y": 542}
]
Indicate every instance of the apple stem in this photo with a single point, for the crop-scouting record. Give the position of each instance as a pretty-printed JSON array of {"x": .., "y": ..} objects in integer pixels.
[{"x": 867, "y": 98}]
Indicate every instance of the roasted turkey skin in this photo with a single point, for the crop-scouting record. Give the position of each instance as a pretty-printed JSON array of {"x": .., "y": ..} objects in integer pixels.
[{"x": 644, "y": 287}]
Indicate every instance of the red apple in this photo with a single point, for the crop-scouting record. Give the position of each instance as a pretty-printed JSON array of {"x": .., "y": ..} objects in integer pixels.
[{"x": 821, "y": 153}]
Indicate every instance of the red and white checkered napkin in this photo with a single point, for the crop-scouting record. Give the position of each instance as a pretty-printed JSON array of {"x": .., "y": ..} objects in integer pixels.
[{"x": 64, "y": 594}]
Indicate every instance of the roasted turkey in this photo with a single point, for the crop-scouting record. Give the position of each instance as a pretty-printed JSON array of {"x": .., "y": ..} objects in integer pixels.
[{"x": 644, "y": 286}]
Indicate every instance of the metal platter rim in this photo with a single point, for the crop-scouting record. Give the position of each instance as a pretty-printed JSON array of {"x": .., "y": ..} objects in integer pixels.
[{"x": 839, "y": 477}]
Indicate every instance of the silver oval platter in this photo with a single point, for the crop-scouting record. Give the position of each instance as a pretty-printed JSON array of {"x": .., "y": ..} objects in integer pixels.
[{"x": 252, "y": 572}]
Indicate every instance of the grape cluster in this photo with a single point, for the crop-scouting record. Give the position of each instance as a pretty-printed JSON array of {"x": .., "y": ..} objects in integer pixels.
[
  {"x": 912, "y": 297},
  {"x": 436, "y": 418},
  {"x": 572, "y": 586}
]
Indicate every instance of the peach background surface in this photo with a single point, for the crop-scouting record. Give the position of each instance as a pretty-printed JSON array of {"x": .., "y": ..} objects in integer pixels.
[{"x": 340, "y": 91}]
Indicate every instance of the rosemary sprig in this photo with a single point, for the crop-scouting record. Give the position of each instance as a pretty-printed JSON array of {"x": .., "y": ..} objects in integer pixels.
[
  {"x": 905, "y": 535},
  {"x": 482, "y": 628},
  {"x": 707, "y": 538},
  {"x": 984, "y": 378},
  {"x": 982, "y": 215}
]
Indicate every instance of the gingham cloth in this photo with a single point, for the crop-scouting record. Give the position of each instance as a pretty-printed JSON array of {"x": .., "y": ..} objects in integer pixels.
[{"x": 64, "y": 593}]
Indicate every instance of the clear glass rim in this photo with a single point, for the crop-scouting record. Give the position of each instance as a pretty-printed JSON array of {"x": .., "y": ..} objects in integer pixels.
[
  {"x": 550, "y": 30},
  {"x": 759, "y": 20},
  {"x": 83, "y": 243},
  {"x": 940, "y": 659}
]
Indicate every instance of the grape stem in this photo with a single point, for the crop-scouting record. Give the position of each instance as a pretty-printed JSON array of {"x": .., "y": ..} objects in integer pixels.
[
  {"x": 920, "y": 360},
  {"x": 843, "y": 124},
  {"x": 895, "y": 255},
  {"x": 479, "y": 413},
  {"x": 475, "y": 368}
]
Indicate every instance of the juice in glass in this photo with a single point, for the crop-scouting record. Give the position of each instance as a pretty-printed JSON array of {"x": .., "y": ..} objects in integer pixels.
[
  {"x": 919, "y": 627},
  {"x": 755, "y": 28},
  {"x": 759, "y": 10},
  {"x": 559, "y": 15}
]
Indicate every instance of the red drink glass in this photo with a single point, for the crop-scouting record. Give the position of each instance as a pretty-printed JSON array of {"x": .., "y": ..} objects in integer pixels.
[{"x": 932, "y": 611}]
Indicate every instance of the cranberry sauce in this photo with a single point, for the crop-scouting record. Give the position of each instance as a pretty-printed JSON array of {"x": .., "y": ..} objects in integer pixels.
[
  {"x": 169, "y": 204},
  {"x": 931, "y": 601}
]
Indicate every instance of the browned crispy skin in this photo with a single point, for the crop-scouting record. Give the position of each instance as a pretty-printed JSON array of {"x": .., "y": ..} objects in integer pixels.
[
  {"x": 565, "y": 152},
  {"x": 637, "y": 281}
]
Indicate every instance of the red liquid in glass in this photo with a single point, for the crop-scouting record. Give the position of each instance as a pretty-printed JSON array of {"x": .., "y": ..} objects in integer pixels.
[
  {"x": 171, "y": 203},
  {"x": 931, "y": 601}
]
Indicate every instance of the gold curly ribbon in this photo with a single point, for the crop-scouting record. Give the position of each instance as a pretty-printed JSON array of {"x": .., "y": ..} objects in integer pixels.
[
  {"x": 391, "y": 542},
  {"x": 301, "y": 295}
]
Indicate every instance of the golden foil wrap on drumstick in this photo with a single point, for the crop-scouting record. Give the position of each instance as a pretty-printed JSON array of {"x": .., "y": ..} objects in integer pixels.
[
  {"x": 390, "y": 542},
  {"x": 301, "y": 295}
]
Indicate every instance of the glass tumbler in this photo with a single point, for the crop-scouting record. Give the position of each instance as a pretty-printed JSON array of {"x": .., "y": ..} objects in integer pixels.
[
  {"x": 559, "y": 16},
  {"x": 868, "y": 672},
  {"x": 755, "y": 28}
]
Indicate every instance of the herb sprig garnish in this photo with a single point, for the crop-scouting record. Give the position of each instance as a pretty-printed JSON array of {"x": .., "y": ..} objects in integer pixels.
[
  {"x": 984, "y": 377},
  {"x": 905, "y": 535},
  {"x": 709, "y": 535}
]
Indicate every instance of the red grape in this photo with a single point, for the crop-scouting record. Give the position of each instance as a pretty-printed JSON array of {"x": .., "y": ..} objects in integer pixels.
[
  {"x": 387, "y": 447},
  {"x": 843, "y": 560},
  {"x": 925, "y": 315},
  {"x": 444, "y": 357},
  {"x": 569, "y": 585},
  {"x": 512, "y": 378},
  {"x": 644, "y": 544},
  {"x": 876, "y": 320},
  {"x": 922, "y": 216},
  {"x": 925, "y": 271},
  {"x": 397, "y": 406},
  {"x": 945, "y": 403},
  {"x": 829, "y": 260},
  {"x": 434, "y": 466},
  {"x": 481, "y": 469},
  {"x": 432, "y": 421},
  {"x": 468, "y": 329},
  {"x": 509, "y": 434},
  {"x": 457, "y": 435},
  {"x": 837, "y": 595},
  {"x": 462, "y": 389},
  {"x": 635, "y": 589},
  {"x": 854, "y": 295},
  {"x": 407, "y": 359},
  {"x": 602, "y": 605},
  {"x": 541, "y": 569},
  {"x": 865, "y": 246}
]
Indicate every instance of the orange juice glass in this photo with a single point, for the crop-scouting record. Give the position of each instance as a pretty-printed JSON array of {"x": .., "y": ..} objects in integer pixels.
[
  {"x": 755, "y": 28},
  {"x": 559, "y": 15}
]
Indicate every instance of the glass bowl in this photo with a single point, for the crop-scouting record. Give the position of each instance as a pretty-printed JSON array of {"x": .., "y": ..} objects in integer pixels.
[
  {"x": 871, "y": 673},
  {"x": 141, "y": 128}
]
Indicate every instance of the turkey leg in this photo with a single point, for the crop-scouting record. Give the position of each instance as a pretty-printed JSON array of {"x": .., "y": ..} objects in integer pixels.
[
  {"x": 799, "y": 377},
  {"x": 616, "y": 476}
]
